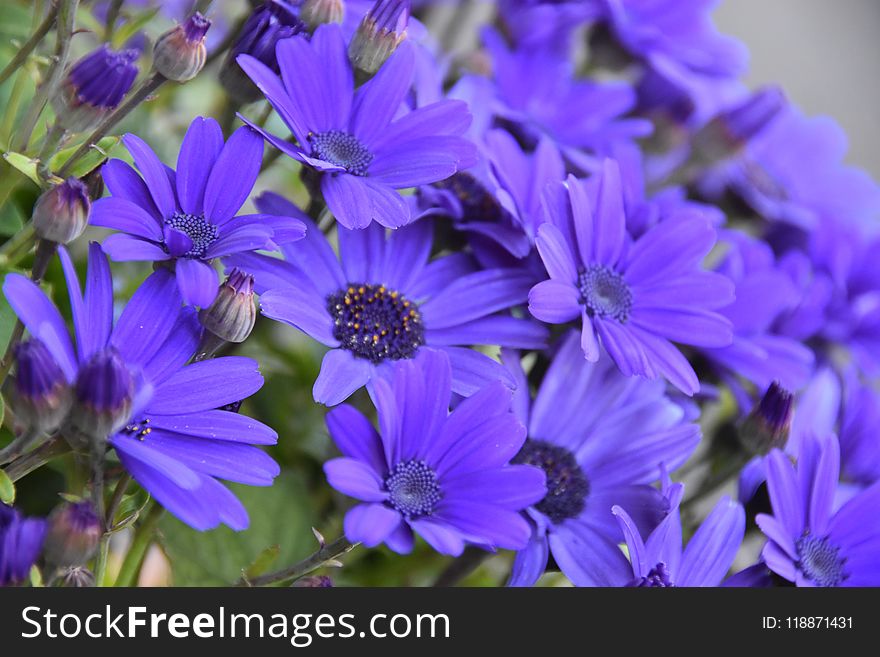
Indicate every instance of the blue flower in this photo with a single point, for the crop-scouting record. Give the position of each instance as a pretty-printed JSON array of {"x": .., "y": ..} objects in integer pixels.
[
  {"x": 354, "y": 139},
  {"x": 188, "y": 216},
  {"x": 659, "y": 560},
  {"x": 384, "y": 300},
  {"x": 576, "y": 429},
  {"x": 809, "y": 543},
  {"x": 445, "y": 476},
  {"x": 132, "y": 380},
  {"x": 21, "y": 540},
  {"x": 633, "y": 297}
]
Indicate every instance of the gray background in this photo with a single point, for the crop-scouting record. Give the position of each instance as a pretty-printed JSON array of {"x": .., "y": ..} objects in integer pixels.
[{"x": 826, "y": 55}]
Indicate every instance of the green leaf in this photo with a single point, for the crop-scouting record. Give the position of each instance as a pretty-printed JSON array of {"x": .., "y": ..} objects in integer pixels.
[
  {"x": 131, "y": 27},
  {"x": 8, "y": 318},
  {"x": 36, "y": 577},
  {"x": 263, "y": 562},
  {"x": 130, "y": 509},
  {"x": 27, "y": 165},
  {"x": 7, "y": 488},
  {"x": 281, "y": 515},
  {"x": 93, "y": 158}
]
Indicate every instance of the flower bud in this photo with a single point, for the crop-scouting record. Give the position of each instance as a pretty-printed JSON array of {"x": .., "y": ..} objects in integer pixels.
[
  {"x": 272, "y": 21},
  {"x": 74, "y": 531},
  {"x": 232, "y": 315},
  {"x": 21, "y": 540},
  {"x": 318, "y": 12},
  {"x": 94, "y": 87},
  {"x": 61, "y": 213},
  {"x": 729, "y": 132},
  {"x": 180, "y": 53},
  {"x": 40, "y": 394},
  {"x": 313, "y": 582},
  {"x": 103, "y": 395},
  {"x": 769, "y": 423},
  {"x": 379, "y": 34}
]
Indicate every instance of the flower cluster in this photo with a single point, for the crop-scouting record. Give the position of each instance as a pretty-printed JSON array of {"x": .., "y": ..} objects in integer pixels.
[{"x": 522, "y": 283}]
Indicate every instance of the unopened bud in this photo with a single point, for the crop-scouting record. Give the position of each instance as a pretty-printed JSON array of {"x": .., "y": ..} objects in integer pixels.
[
  {"x": 180, "y": 53},
  {"x": 313, "y": 582},
  {"x": 232, "y": 315},
  {"x": 103, "y": 395},
  {"x": 269, "y": 23},
  {"x": 94, "y": 87},
  {"x": 379, "y": 34},
  {"x": 768, "y": 425},
  {"x": 61, "y": 213},
  {"x": 41, "y": 396},
  {"x": 318, "y": 12},
  {"x": 74, "y": 531},
  {"x": 729, "y": 133}
]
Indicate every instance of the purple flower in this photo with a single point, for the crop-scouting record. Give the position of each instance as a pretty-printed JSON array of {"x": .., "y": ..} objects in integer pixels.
[
  {"x": 188, "y": 215},
  {"x": 384, "y": 300},
  {"x": 445, "y": 476},
  {"x": 659, "y": 560},
  {"x": 575, "y": 425},
  {"x": 21, "y": 540},
  {"x": 809, "y": 543},
  {"x": 633, "y": 297},
  {"x": 351, "y": 138},
  {"x": 132, "y": 378}
]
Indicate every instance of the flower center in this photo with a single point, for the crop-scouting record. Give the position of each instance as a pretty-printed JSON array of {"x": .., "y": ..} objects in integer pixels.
[
  {"x": 376, "y": 323},
  {"x": 413, "y": 488},
  {"x": 477, "y": 204},
  {"x": 138, "y": 429},
  {"x": 342, "y": 149},
  {"x": 657, "y": 578},
  {"x": 605, "y": 293},
  {"x": 199, "y": 230},
  {"x": 567, "y": 485},
  {"x": 819, "y": 560}
]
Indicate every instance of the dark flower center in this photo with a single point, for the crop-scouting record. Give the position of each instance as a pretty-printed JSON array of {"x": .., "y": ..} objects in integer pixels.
[
  {"x": 477, "y": 204},
  {"x": 342, "y": 149},
  {"x": 376, "y": 323},
  {"x": 138, "y": 429},
  {"x": 658, "y": 577},
  {"x": 605, "y": 293},
  {"x": 413, "y": 488},
  {"x": 567, "y": 485},
  {"x": 820, "y": 560},
  {"x": 201, "y": 231}
]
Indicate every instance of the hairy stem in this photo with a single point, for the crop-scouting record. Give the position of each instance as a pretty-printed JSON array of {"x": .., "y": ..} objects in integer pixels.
[
  {"x": 32, "y": 460},
  {"x": 29, "y": 45},
  {"x": 327, "y": 553}
]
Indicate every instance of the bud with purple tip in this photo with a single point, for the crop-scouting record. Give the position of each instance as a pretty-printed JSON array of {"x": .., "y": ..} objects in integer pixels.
[
  {"x": 269, "y": 23},
  {"x": 232, "y": 315},
  {"x": 313, "y": 582},
  {"x": 21, "y": 540},
  {"x": 74, "y": 531},
  {"x": 94, "y": 87},
  {"x": 381, "y": 31},
  {"x": 180, "y": 53},
  {"x": 319, "y": 12},
  {"x": 729, "y": 132},
  {"x": 40, "y": 395},
  {"x": 103, "y": 395},
  {"x": 61, "y": 213},
  {"x": 768, "y": 425}
]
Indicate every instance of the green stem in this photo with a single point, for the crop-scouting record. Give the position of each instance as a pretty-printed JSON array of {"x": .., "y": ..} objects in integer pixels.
[
  {"x": 112, "y": 15},
  {"x": 101, "y": 560},
  {"x": 17, "y": 246},
  {"x": 32, "y": 460},
  {"x": 717, "y": 479},
  {"x": 327, "y": 553},
  {"x": 66, "y": 21},
  {"x": 11, "y": 112},
  {"x": 29, "y": 45},
  {"x": 118, "y": 493},
  {"x": 460, "y": 568},
  {"x": 53, "y": 138},
  {"x": 143, "y": 536},
  {"x": 147, "y": 87}
]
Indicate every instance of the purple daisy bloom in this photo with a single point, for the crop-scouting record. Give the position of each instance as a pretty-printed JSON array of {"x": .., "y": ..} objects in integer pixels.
[
  {"x": 659, "y": 560},
  {"x": 445, "y": 476},
  {"x": 633, "y": 297},
  {"x": 188, "y": 216},
  {"x": 808, "y": 542},
  {"x": 575, "y": 426},
  {"x": 132, "y": 381},
  {"x": 354, "y": 138},
  {"x": 384, "y": 300},
  {"x": 21, "y": 540}
]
